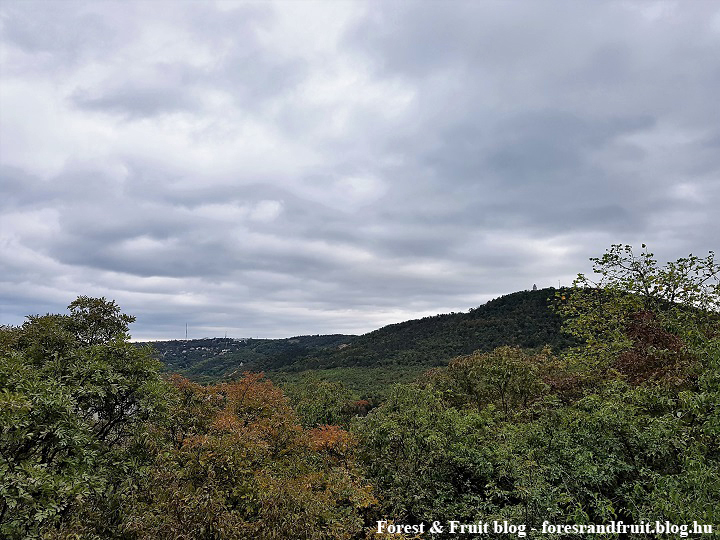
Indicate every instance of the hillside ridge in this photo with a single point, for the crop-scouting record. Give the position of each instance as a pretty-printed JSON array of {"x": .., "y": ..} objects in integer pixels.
[{"x": 522, "y": 318}]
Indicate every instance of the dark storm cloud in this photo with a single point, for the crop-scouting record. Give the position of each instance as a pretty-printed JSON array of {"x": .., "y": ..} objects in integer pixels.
[{"x": 285, "y": 168}]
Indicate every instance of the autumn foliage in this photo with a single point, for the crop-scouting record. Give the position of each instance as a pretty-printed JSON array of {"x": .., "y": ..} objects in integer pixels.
[{"x": 233, "y": 462}]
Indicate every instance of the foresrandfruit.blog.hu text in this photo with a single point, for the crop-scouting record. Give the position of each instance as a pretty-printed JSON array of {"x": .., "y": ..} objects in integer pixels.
[{"x": 521, "y": 530}]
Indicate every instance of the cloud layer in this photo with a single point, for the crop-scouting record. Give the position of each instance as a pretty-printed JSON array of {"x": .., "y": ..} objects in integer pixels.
[{"x": 274, "y": 169}]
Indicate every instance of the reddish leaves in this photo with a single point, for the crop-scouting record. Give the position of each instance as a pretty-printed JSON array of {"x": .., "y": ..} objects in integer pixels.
[{"x": 656, "y": 353}]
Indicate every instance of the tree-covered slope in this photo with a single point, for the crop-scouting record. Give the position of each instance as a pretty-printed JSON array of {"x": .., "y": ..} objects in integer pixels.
[
  {"x": 523, "y": 318},
  {"x": 214, "y": 358}
]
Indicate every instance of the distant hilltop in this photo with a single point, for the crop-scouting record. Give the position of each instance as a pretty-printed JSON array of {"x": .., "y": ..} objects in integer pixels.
[{"x": 524, "y": 318}]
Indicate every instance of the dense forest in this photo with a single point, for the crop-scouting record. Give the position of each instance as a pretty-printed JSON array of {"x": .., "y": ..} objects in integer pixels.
[
  {"x": 616, "y": 419},
  {"x": 215, "y": 359},
  {"x": 370, "y": 363}
]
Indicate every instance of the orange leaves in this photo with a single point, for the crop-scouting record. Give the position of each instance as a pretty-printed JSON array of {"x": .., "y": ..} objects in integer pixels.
[
  {"x": 253, "y": 390},
  {"x": 227, "y": 421},
  {"x": 332, "y": 440},
  {"x": 359, "y": 407},
  {"x": 254, "y": 397},
  {"x": 241, "y": 466},
  {"x": 183, "y": 384}
]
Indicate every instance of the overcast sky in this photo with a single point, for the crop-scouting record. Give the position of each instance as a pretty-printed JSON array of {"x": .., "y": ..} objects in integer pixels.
[{"x": 270, "y": 169}]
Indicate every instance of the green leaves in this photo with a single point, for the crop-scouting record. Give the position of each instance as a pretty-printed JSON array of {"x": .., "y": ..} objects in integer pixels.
[
  {"x": 639, "y": 312},
  {"x": 48, "y": 456},
  {"x": 507, "y": 376},
  {"x": 74, "y": 396},
  {"x": 689, "y": 281},
  {"x": 428, "y": 460},
  {"x": 95, "y": 320},
  {"x": 320, "y": 402},
  {"x": 93, "y": 443}
]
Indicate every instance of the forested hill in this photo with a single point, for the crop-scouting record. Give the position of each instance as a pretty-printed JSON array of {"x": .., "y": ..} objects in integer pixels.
[
  {"x": 522, "y": 318},
  {"x": 210, "y": 359}
]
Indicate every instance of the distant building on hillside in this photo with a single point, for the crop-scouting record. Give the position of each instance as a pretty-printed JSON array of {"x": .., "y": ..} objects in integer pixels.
[{"x": 534, "y": 287}]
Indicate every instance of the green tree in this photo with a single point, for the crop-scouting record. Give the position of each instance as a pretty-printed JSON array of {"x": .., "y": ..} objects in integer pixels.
[
  {"x": 74, "y": 398},
  {"x": 319, "y": 402},
  {"x": 96, "y": 320},
  {"x": 428, "y": 460},
  {"x": 655, "y": 314},
  {"x": 507, "y": 376}
]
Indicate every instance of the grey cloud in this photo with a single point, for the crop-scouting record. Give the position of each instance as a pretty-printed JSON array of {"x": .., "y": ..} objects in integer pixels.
[
  {"x": 140, "y": 100},
  {"x": 424, "y": 40},
  {"x": 539, "y": 163},
  {"x": 18, "y": 187},
  {"x": 251, "y": 79},
  {"x": 57, "y": 28},
  {"x": 255, "y": 77},
  {"x": 240, "y": 67}
]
